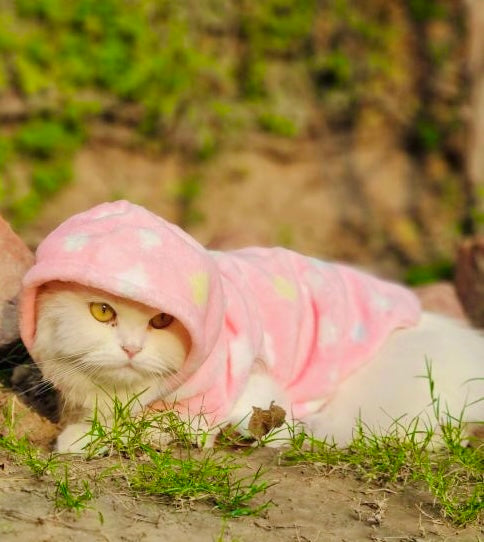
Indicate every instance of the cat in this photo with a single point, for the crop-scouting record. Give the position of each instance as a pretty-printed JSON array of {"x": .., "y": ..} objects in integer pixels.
[
  {"x": 90, "y": 360},
  {"x": 121, "y": 302}
]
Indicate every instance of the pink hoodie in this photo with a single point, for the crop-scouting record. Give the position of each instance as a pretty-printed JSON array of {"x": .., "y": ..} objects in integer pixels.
[{"x": 312, "y": 323}]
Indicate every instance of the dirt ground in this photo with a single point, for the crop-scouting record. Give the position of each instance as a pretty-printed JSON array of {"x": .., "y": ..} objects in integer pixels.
[{"x": 308, "y": 503}]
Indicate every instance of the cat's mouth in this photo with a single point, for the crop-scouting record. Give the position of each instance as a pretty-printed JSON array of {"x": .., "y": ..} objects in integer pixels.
[
  {"x": 132, "y": 366},
  {"x": 128, "y": 370},
  {"x": 135, "y": 367},
  {"x": 128, "y": 365},
  {"x": 125, "y": 369}
]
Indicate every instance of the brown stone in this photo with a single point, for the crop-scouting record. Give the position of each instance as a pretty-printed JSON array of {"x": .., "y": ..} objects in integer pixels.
[
  {"x": 15, "y": 259},
  {"x": 20, "y": 420},
  {"x": 469, "y": 278},
  {"x": 441, "y": 297}
]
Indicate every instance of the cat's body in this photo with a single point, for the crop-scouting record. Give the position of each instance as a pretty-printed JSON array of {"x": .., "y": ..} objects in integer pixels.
[
  {"x": 121, "y": 302},
  {"x": 85, "y": 360}
]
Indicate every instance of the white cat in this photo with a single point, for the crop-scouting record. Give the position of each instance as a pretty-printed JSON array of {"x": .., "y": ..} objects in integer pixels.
[
  {"x": 233, "y": 330},
  {"x": 92, "y": 345}
]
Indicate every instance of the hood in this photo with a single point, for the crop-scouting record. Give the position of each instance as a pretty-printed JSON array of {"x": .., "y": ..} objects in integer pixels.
[{"x": 125, "y": 250}]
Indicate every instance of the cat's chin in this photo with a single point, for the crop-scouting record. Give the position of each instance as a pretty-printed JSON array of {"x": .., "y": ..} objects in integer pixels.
[{"x": 126, "y": 374}]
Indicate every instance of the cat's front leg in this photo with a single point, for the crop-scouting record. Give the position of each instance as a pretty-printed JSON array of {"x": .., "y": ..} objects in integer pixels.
[
  {"x": 76, "y": 435},
  {"x": 81, "y": 437},
  {"x": 74, "y": 439}
]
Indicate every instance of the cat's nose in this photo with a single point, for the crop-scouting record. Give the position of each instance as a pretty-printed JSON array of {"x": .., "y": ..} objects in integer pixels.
[{"x": 131, "y": 350}]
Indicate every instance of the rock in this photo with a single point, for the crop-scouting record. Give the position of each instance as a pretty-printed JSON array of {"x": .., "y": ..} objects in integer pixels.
[
  {"x": 16, "y": 258},
  {"x": 25, "y": 421},
  {"x": 469, "y": 278},
  {"x": 441, "y": 297}
]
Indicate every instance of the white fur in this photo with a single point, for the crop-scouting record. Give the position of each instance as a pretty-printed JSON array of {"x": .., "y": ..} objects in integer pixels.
[
  {"x": 84, "y": 359},
  {"x": 394, "y": 385},
  {"x": 74, "y": 438}
]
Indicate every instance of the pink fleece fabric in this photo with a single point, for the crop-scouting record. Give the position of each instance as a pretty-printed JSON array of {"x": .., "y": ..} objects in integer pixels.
[{"x": 310, "y": 322}]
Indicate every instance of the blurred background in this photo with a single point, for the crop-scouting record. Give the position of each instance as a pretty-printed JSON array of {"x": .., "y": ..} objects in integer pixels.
[{"x": 343, "y": 129}]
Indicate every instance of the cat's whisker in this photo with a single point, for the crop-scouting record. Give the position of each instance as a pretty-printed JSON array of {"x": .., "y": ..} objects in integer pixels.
[
  {"x": 40, "y": 387},
  {"x": 74, "y": 363},
  {"x": 60, "y": 358},
  {"x": 168, "y": 367},
  {"x": 172, "y": 375},
  {"x": 166, "y": 389},
  {"x": 45, "y": 383},
  {"x": 65, "y": 373},
  {"x": 90, "y": 367},
  {"x": 65, "y": 356}
]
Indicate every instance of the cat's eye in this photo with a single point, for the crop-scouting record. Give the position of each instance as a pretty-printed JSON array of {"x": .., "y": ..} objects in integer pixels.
[
  {"x": 102, "y": 312},
  {"x": 161, "y": 320}
]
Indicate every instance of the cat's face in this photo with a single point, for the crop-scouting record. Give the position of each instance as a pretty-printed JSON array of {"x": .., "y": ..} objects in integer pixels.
[{"x": 111, "y": 341}]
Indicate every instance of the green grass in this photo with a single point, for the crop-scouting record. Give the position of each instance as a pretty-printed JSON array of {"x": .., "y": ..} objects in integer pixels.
[
  {"x": 174, "y": 475},
  {"x": 179, "y": 472},
  {"x": 72, "y": 494},
  {"x": 451, "y": 473},
  {"x": 210, "y": 476},
  {"x": 21, "y": 449},
  {"x": 154, "y": 454}
]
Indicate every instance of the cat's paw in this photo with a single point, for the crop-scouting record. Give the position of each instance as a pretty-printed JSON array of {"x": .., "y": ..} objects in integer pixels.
[{"x": 74, "y": 440}]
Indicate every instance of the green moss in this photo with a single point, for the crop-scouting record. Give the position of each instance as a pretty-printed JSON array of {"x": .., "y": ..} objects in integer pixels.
[
  {"x": 30, "y": 77},
  {"x": 26, "y": 208},
  {"x": 277, "y": 124},
  {"x": 43, "y": 139},
  {"x": 278, "y": 26},
  {"x": 428, "y": 133},
  {"x": 197, "y": 73},
  {"x": 424, "y": 10},
  {"x": 49, "y": 10},
  {"x": 252, "y": 77},
  {"x": 187, "y": 191},
  {"x": 48, "y": 178},
  {"x": 5, "y": 151},
  {"x": 425, "y": 274},
  {"x": 335, "y": 69}
]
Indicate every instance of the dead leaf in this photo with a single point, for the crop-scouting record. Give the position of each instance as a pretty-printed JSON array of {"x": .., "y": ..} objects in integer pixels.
[{"x": 263, "y": 421}]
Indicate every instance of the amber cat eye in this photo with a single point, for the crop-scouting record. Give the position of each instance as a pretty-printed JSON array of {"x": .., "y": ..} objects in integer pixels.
[
  {"x": 102, "y": 312},
  {"x": 161, "y": 320}
]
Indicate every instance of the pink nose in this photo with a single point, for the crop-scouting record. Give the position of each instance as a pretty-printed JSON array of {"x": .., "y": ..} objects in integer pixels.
[{"x": 131, "y": 350}]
